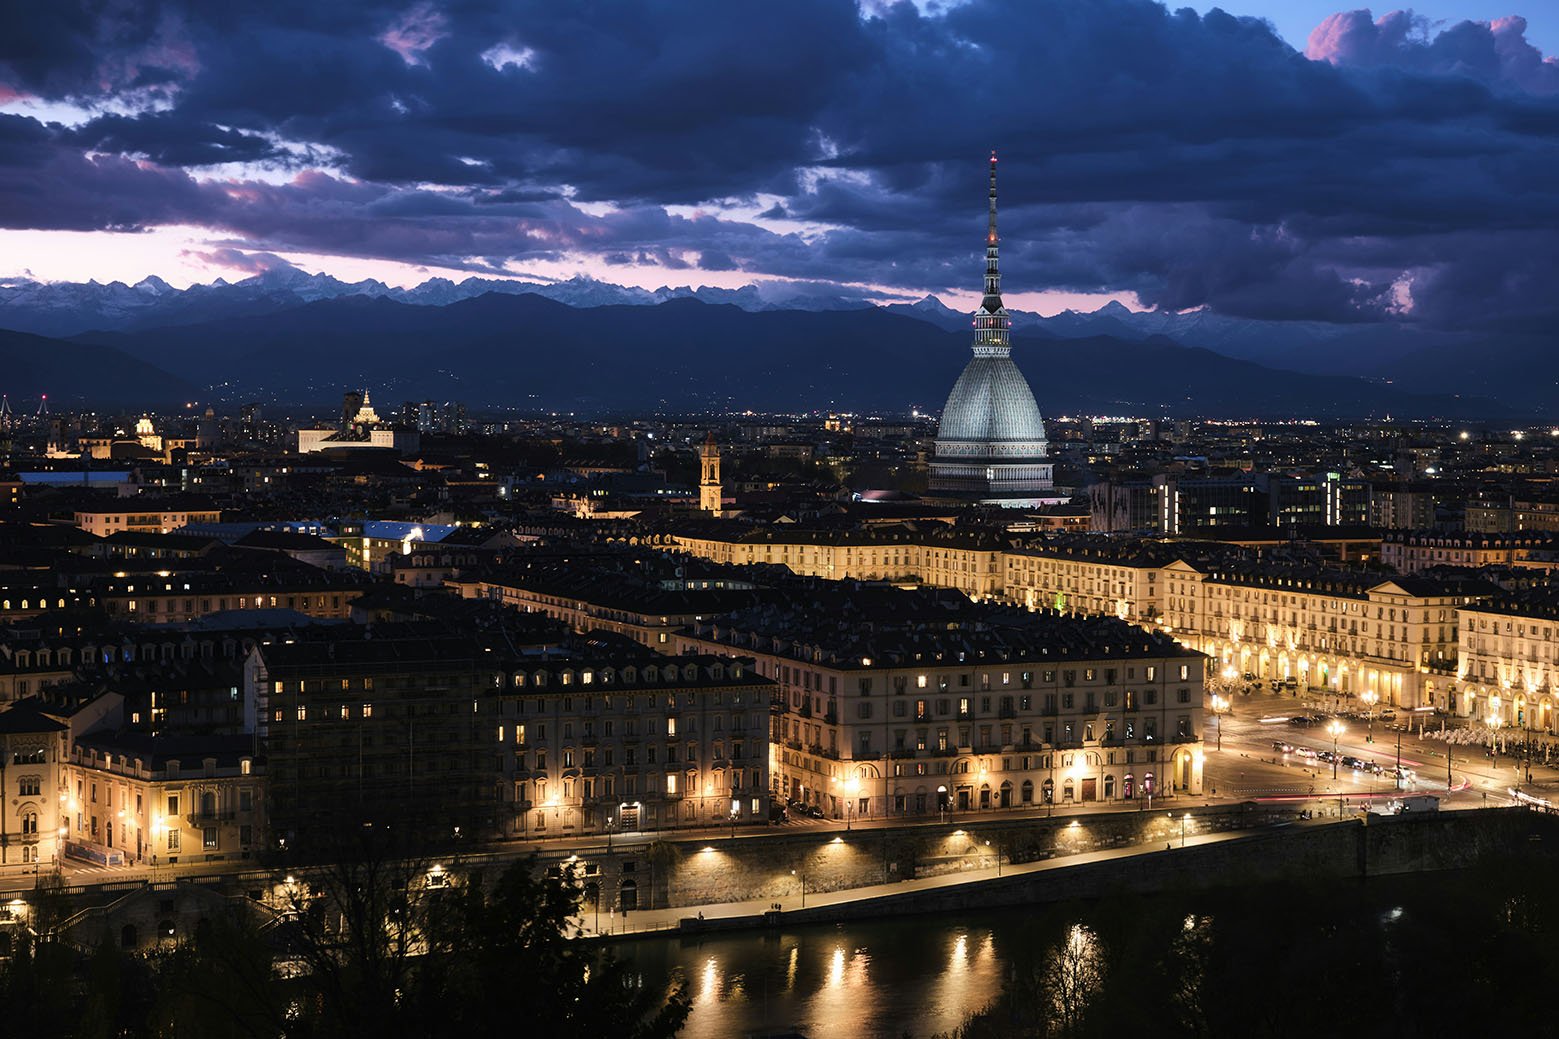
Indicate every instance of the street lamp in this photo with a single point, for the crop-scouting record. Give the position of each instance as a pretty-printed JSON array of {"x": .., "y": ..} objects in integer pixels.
[
  {"x": 1494, "y": 724},
  {"x": 1334, "y": 727},
  {"x": 1220, "y": 704},
  {"x": 802, "y": 878},
  {"x": 852, "y": 788},
  {"x": 1370, "y": 698}
]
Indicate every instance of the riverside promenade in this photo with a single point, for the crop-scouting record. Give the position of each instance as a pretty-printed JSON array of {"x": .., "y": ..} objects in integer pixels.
[{"x": 1357, "y": 846}]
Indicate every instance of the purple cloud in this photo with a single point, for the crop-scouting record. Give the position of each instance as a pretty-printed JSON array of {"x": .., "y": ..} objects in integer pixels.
[
  {"x": 1496, "y": 53},
  {"x": 1193, "y": 160}
]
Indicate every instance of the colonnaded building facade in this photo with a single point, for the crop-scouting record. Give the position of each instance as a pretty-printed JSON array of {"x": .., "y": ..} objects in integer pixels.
[{"x": 1325, "y": 630}]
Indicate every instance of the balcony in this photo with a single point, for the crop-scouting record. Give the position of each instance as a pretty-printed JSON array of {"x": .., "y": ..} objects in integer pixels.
[
  {"x": 209, "y": 818},
  {"x": 1007, "y": 712}
]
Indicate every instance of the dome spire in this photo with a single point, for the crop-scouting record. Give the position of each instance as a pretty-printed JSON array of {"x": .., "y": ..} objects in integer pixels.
[{"x": 991, "y": 323}]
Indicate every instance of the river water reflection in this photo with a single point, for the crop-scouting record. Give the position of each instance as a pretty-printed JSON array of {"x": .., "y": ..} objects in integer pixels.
[
  {"x": 918, "y": 976},
  {"x": 1210, "y": 963}
]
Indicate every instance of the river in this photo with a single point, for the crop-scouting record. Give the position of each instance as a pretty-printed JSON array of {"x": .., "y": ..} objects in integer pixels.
[{"x": 1209, "y": 963}]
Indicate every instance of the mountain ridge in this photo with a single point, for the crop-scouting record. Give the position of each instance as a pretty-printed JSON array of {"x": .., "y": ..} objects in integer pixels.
[
  {"x": 1523, "y": 369},
  {"x": 531, "y": 352}
]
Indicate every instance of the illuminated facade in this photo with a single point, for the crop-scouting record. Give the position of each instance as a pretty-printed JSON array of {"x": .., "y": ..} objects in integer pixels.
[
  {"x": 900, "y": 723},
  {"x": 1336, "y": 632},
  {"x": 135, "y": 799},
  {"x": 1509, "y": 668},
  {"x": 148, "y": 518},
  {"x": 652, "y": 744},
  {"x": 709, "y": 491},
  {"x": 1414, "y": 551},
  {"x": 33, "y": 750},
  {"x": 990, "y": 444},
  {"x": 1326, "y": 632}
]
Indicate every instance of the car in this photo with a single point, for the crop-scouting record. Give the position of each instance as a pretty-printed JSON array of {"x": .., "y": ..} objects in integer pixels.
[
  {"x": 1282, "y": 748},
  {"x": 1349, "y": 761},
  {"x": 778, "y": 813},
  {"x": 1326, "y": 756},
  {"x": 815, "y": 812},
  {"x": 1299, "y": 719},
  {"x": 1306, "y": 752}
]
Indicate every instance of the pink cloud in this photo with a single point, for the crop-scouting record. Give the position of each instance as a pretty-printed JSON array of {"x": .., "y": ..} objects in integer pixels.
[
  {"x": 238, "y": 260},
  {"x": 1496, "y": 52},
  {"x": 414, "y": 32}
]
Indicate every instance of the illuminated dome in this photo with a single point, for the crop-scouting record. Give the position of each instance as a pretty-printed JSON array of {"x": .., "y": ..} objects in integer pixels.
[
  {"x": 992, "y": 404},
  {"x": 990, "y": 444}
]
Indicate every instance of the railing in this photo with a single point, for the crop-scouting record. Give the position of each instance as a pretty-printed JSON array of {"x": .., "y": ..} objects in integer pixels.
[{"x": 202, "y": 818}]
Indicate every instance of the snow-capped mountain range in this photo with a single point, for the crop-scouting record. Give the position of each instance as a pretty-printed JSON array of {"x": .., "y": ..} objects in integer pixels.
[
  {"x": 63, "y": 309},
  {"x": 70, "y": 308}
]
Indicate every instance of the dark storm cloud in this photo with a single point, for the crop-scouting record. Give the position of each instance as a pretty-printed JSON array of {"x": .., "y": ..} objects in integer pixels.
[
  {"x": 1190, "y": 159},
  {"x": 170, "y": 140}
]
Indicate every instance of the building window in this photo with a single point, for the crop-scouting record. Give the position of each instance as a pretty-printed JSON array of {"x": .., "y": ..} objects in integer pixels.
[
  {"x": 671, "y": 782},
  {"x": 209, "y": 837},
  {"x": 173, "y": 838}
]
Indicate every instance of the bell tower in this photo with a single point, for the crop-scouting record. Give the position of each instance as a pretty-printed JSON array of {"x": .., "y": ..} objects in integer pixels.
[{"x": 709, "y": 481}]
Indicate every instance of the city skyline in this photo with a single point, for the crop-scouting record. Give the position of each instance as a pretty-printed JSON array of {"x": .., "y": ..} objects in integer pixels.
[{"x": 1380, "y": 169}]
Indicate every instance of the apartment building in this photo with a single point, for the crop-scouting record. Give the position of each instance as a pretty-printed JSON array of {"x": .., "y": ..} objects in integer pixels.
[
  {"x": 1328, "y": 632},
  {"x": 899, "y": 704},
  {"x": 1508, "y": 672}
]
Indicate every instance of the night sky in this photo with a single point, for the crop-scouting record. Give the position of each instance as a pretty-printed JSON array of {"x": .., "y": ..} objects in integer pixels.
[{"x": 1370, "y": 167}]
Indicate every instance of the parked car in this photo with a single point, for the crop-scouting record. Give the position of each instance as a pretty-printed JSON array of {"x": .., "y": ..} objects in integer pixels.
[{"x": 778, "y": 813}]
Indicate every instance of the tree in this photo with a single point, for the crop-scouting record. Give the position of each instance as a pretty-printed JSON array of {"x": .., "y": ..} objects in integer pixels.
[{"x": 389, "y": 944}]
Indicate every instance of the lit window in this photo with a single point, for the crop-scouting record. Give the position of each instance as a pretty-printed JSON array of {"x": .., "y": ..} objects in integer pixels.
[{"x": 671, "y": 782}]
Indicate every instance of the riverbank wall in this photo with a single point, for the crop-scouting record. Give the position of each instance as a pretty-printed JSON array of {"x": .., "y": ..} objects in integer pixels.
[{"x": 1339, "y": 849}]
